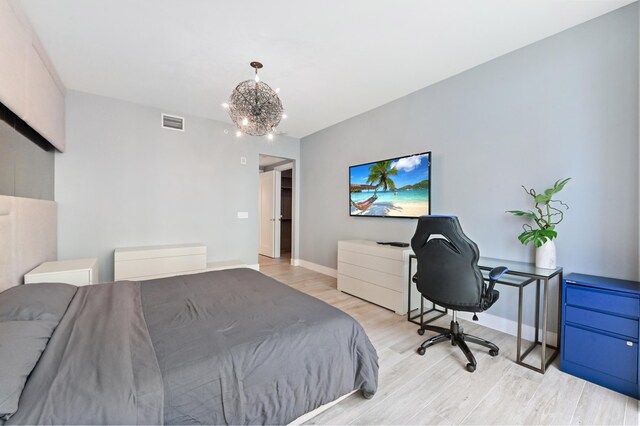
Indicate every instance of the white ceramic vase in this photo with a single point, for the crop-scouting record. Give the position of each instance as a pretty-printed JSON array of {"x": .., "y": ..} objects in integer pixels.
[{"x": 546, "y": 255}]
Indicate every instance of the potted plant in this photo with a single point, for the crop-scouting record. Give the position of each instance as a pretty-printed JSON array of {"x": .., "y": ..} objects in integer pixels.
[{"x": 547, "y": 213}]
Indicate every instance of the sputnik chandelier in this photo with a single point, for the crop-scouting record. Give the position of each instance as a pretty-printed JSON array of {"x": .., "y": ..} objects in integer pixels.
[{"x": 254, "y": 107}]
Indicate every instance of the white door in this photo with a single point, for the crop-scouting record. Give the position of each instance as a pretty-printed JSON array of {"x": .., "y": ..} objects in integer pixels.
[{"x": 269, "y": 206}]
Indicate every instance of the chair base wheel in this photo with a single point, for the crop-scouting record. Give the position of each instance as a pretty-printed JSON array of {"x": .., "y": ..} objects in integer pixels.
[
  {"x": 456, "y": 337},
  {"x": 420, "y": 331}
]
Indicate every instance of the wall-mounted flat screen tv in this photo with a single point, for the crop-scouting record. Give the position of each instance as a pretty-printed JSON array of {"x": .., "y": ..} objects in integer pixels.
[{"x": 398, "y": 187}]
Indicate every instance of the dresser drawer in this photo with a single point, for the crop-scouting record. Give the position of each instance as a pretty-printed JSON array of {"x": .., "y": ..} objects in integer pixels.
[
  {"x": 603, "y": 300},
  {"x": 142, "y": 269},
  {"x": 143, "y": 263},
  {"x": 376, "y": 263},
  {"x": 611, "y": 323},
  {"x": 379, "y": 295},
  {"x": 383, "y": 279},
  {"x": 609, "y": 355}
]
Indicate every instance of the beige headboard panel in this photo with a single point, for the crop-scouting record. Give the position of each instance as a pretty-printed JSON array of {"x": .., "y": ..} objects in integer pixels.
[{"x": 28, "y": 237}]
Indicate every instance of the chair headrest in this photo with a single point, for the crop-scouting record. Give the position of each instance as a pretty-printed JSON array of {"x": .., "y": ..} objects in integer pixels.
[
  {"x": 440, "y": 227},
  {"x": 435, "y": 224}
]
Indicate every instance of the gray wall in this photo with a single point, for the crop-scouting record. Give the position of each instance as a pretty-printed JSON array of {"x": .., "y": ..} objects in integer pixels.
[
  {"x": 26, "y": 170},
  {"x": 566, "y": 106},
  {"x": 124, "y": 181}
]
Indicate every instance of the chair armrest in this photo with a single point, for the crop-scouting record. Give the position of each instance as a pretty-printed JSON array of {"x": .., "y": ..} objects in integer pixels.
[
  {"x": 494, "y": 275},
  {"x": 415, "y": 278},
  {"x": 497, "y": 272}
]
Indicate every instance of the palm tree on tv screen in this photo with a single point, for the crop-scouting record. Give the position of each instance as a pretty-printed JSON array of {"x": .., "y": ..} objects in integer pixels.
[
  {"x": 378, "y": 178},
  {"x": 379, "y": 175}
]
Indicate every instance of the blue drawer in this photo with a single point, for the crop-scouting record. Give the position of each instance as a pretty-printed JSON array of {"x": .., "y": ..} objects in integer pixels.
[
  {"x": 614, "y": 302},
  {"x": 611, "y": 323},
  {"x": 602, "y": 353}
]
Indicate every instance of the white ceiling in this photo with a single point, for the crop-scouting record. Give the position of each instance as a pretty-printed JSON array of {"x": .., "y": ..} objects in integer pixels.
[{"x": 332, "y": 59}]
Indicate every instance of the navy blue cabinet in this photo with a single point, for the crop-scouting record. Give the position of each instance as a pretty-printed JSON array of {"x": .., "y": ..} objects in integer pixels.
[{"x": 600, "y": 331}]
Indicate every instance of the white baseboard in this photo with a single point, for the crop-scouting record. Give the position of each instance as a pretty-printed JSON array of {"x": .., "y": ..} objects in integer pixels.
[
  {"x": 315, "y": 267},
  {"x": 508, "y": 326},
  {"x": 255, "y": 266}
]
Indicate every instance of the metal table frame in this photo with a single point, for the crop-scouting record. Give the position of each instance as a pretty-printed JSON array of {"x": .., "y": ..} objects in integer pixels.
[
  {"x": 422, "y": 313},
  {"x": 486, "y": 264}
]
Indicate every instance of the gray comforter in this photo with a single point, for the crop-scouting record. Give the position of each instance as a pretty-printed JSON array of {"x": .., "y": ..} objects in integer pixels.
[{"x": 227, "y": 347}]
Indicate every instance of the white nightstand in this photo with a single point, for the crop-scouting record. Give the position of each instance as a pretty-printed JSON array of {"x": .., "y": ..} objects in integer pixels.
[{"x": 76, "y": 272}]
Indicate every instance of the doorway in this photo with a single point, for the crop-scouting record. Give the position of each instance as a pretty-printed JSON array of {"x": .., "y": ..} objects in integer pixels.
[
  {"x": 276, "y": 218},
  {"x": 286, "y": 212}
]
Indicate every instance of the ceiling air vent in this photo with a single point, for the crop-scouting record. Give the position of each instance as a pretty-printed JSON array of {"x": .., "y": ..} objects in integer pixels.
[{"x": 172, "y": 122}]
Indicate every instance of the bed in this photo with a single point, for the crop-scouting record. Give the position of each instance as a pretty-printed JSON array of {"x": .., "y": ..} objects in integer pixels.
[{"x": 223, "y": 347}]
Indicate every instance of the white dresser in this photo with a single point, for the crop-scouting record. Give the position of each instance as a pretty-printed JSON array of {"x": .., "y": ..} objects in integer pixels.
[
  {"x": 144, "y": 263},
  {"x": 77, "y": 272},
  {"x": 376, "y": 273}
]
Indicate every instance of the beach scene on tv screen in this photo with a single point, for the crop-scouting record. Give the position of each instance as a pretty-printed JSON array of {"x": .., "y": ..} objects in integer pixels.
[{"x": 397, "y": 187}]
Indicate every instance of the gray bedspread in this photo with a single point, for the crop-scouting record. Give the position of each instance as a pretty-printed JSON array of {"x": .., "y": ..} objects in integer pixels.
[
  {"x": 226, "y": 347},
  {"x": 98, "y": 367}
]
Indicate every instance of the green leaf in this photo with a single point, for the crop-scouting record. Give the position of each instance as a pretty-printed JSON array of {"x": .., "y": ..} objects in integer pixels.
[
  {"x": 537, "y": 236},
  {"x": 526, "y": 237},
  {"x": 557, "y": 187},
  {"x": 542, "y": 198},
  {"x": 528, "y": 214},
  {"x": 548, "y": 233}
]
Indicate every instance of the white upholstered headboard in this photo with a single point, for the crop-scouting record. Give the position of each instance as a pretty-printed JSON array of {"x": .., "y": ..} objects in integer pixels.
[{"x": 28, "y": 237}]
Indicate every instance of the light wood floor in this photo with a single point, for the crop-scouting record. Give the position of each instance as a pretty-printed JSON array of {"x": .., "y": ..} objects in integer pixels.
[{"x": 437, "y": 389}]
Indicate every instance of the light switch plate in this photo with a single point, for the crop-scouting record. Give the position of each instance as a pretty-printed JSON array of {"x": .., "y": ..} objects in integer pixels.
[
  {"x": 243, "y": 161},
  {"x": 243, "y": 215}
]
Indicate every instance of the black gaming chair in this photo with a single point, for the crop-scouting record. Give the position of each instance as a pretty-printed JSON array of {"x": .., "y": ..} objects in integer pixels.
[{"x": 448, "y": 275}]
